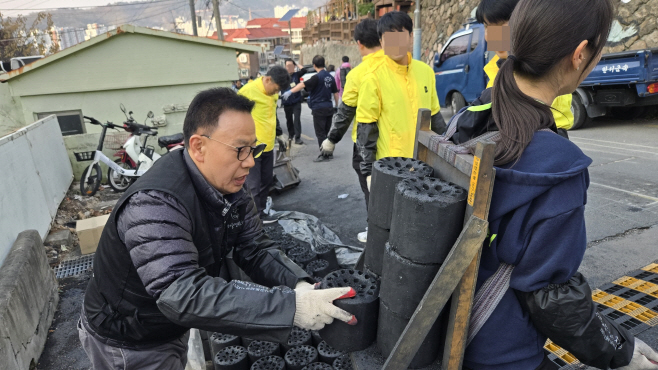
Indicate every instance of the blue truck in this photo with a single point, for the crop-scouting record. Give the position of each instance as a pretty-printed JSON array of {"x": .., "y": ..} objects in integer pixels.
[{"x": 622, "y": 84}]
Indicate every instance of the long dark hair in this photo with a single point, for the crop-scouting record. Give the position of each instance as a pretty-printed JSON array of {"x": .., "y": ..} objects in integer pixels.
[{"x": 543, "y": 33}]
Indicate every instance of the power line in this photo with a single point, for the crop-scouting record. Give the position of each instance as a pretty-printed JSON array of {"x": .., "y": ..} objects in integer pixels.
[
  {"x": 75, "y": 30},
  {"x": 95, "y": 6},
  {"x": 246, "y": 10}
]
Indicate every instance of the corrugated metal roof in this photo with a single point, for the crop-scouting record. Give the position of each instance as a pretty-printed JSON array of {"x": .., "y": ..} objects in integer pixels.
[{"x": 117, "y": 32}]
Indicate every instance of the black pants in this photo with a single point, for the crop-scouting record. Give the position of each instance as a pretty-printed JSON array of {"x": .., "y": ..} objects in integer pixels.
[
  {"x": 293, "y": 120},
  {"x": 322, "y": 122},
  {"x": 260, "y": 178},
  {"x": 356, "y": 161}
]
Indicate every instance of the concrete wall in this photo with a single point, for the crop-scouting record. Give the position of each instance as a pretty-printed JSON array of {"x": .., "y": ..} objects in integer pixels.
[
  {"x": 333, "y": 53},
  {"x": 28, "y": 299},
  {"x": 36, "y": 175}
]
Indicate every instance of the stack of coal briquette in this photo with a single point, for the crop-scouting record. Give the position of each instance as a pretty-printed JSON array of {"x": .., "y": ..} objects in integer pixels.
[
  {"x": 386, "y": 174},
  {"x": 304, "y": 350},
  {"x": 427, "y": 218}
]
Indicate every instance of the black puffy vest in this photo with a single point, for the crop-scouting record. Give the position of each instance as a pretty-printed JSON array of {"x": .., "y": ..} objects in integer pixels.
[{"x": 116, "y": 302}]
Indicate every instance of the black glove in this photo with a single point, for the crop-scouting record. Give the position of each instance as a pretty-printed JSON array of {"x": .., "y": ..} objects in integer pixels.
[{"x": 567, "y": 315}]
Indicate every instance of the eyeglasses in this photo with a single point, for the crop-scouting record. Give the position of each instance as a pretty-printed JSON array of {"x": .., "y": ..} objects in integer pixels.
[{"x": 244, "y": 151}]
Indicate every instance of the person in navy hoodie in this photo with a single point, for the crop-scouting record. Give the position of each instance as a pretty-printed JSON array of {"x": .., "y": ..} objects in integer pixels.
[{"x": 537, "y": 221}]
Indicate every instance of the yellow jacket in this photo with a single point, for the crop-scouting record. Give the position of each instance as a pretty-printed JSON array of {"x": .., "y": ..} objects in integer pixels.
[
  {"x": 264, "y": 112},
  {"x": 391, "y": 95},
  {"x": 561, "y": 105},
  {"x": 354, "y": 78}
]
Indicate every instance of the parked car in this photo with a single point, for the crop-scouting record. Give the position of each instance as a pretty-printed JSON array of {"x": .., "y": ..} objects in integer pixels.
[{"x": 622, "y": 84}]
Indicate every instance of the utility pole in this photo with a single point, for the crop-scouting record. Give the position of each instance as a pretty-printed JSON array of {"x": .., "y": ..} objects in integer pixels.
[
  {"x": 194, "y": 30},
  {"x": 418, "y": 32},
  {"x": 218, "y": 19}
]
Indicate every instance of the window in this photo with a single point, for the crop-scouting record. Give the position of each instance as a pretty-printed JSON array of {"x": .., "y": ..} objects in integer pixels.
[
  {"x": 70, "y": 122},
  {"x": 243, "y": 58},
  {"x": 457, "y": 46},
  {"x": 475, "y": 38},
  {"x": 244, "y": 72}
]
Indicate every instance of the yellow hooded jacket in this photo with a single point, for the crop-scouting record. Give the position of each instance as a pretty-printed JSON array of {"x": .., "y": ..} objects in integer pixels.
[
  {"x": 562, "y": 104},
  {"x": 264, "y": 112},
  {"x": 391, "y": 95},
  {"x": 354, "y": 79}
]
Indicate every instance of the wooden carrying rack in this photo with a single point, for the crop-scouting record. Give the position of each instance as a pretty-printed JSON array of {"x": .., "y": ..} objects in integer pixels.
[{"x": 458, "y": 274}]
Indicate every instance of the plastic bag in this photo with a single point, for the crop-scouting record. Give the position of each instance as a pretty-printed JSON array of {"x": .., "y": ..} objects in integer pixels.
[{"x": 309, "y": 229}]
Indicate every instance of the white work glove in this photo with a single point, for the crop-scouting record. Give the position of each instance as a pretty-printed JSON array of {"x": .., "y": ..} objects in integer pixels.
[
  {"x": 327, "y": 147},
  {"x": 303, "y": 286},
  {"x": 286, "y": 95},
  {"x": 314, "y": 308},
  {"x": 644, "y": 358},
  {"x": 368, "y": 181}
]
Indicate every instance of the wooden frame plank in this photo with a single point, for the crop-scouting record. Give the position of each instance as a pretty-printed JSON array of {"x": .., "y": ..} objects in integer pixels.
[
  {"x": 468, "y": 245},
  {"x": 460, "y": 310}
]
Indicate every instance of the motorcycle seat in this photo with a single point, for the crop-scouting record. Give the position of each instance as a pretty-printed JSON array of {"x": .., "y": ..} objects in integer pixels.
[{"x": 165, "y": 141}]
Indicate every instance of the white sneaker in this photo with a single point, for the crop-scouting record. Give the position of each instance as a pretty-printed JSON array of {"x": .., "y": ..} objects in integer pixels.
[{"x": 363, "y": 237}]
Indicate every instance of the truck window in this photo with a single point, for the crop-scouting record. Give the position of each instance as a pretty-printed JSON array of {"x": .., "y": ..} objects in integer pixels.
[
  {"x": 457, "y": 46},
  {"x": 475, "y": 38}
]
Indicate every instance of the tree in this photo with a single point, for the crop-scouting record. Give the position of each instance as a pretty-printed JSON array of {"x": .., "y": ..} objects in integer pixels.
[{"x": 17, "y": 39}]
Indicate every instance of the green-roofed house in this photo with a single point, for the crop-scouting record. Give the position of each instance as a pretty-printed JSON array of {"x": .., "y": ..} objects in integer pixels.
[{"x": 145, "y": 69}]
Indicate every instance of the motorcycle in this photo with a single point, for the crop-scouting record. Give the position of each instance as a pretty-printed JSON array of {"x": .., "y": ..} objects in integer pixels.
[{"x": 134, "y": 159}]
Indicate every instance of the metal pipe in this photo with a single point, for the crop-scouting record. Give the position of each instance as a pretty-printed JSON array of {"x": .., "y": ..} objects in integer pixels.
[
  {"x": 194, "y": 30},
  {"x": 418, "y": 32},
  {"x": 218, "y": 19}
]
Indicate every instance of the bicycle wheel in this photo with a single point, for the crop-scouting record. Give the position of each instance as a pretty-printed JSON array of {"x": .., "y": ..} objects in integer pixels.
[
  {"x": 90, "y": 187},
  {"x": 117, "y": 181}
]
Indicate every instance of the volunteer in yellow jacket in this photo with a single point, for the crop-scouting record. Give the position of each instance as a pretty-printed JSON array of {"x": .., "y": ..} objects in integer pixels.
[
  {"x": 367, "y": 40},
  {"x": 495, "y": 15},
  {"x": 264, "y": 91},
  {"x": 391, "y": 94}
]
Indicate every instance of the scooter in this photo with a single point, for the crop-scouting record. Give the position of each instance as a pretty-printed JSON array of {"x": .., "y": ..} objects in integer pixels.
[{"x": 135, "y": 157}]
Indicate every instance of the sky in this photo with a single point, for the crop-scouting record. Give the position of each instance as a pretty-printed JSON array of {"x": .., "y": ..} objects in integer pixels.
[{"x": 7, "y": 6}]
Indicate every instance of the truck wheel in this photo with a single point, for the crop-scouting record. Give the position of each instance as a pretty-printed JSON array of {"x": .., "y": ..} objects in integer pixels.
[
  {"x": 628, "y": 113},
  {"x": 457, "y": 102},
  {"x": 580, "y": 117}
]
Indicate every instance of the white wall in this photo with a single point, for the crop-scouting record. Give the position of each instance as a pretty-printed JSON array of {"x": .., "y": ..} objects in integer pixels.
[{"x": 36, "y": 173}]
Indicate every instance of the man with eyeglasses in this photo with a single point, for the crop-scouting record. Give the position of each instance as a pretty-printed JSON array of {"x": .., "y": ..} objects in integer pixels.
[
  {"x": 264, "y": 91},
  {"x": 160, "y": 267}
]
